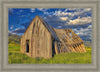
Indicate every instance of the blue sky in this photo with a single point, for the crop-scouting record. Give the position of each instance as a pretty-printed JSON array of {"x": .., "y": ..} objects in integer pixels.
[{"x": 78, "y": 19}]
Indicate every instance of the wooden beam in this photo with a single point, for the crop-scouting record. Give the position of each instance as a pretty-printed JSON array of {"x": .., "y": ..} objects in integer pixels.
[{"x": 56, "y": 48}]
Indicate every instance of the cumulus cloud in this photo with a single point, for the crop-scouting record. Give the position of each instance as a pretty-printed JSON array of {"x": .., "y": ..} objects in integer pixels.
[
  {"x": 73, "y": 13},
  {"x": 10, "y": 32},
  {"x": 64, "y": 18},
  {"x": 84, "y": 33},
  {"x": 79, "y": 21},
  {"x": 77, "y": 17},
  {"x": 82, "y": 11},
  {"x": 66, "y": 22},
  {"x": 17, "y": 31},
  {"x": 61, "y": 13}
]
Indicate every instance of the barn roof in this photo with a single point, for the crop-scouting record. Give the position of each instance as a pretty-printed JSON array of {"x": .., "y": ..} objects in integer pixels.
[{"x": 49, "y": 28}]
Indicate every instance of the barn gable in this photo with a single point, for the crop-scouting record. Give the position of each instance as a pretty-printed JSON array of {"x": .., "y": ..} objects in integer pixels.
[
  {"x": 37, "y": 34},
  {"x": 48, "y": 27}
]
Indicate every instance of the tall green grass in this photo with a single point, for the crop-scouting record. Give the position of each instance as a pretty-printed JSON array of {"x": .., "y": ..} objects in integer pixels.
[{"x": 15, "y": 57}]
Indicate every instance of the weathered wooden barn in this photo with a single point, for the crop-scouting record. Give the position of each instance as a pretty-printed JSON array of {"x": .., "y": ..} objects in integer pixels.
[{"x": 41, "y": 40}]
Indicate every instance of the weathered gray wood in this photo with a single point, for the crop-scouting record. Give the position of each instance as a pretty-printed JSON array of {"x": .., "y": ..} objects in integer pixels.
[
  {"x": 74, "y": 43},
  {"x": 41, "y": 40}
]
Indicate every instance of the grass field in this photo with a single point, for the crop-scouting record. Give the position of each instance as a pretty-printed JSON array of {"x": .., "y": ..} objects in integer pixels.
[{"x": 15, "y": 57}]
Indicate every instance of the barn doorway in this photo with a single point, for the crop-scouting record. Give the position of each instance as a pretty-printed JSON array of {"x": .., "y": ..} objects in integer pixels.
[
  {"x": 53, "y": 48},
  {"x": 27, "y": 46}
]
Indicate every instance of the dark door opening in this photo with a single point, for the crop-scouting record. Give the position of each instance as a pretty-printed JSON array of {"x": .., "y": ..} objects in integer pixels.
[
  {"x": 53, "y": 48},
  {"x": 27, "y": 46}
]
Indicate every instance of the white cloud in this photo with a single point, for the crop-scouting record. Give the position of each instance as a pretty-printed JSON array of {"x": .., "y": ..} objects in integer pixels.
[
  {"x": 71, "y": 17},
  {"x": 81, "y": 11},
  {"x": 66, "y": 9},
  {"x": 17, "y": 31},
  {"x": 12, "y": 27},
  {"x": 10, "y": 32},
  {"x": 48, "y": 13},
  {"x": 90, "y": 27},
  {"x": 84, "y": 31},
  {"x": 61, "y": 13},
  {"x": 42, "y": 9},
  {"x": 64, "y": 18},
  {"x": 32, "y": 9},
  {"x": 78, "y": 11},
  {"x": 59, "y": 26},
  {"x": 80, "y": 21}
]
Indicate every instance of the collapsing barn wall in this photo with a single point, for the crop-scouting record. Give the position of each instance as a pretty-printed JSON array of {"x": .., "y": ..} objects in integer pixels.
[{"x": 69, "y": 41}]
